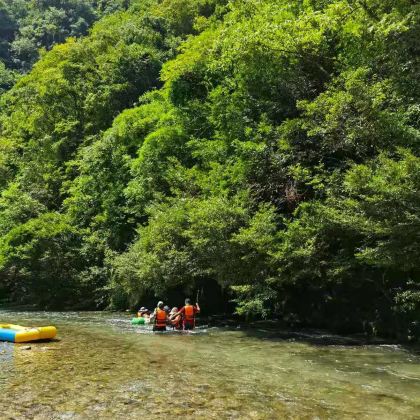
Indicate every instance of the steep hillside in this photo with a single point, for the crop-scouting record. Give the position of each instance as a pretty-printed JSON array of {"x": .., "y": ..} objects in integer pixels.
[{"x": 268, "y": 148}]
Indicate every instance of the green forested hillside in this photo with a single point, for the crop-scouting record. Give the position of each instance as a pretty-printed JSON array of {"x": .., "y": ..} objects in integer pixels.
[
  {"x": 27, "y": 26},
  {"x": 267, "y": 147}
]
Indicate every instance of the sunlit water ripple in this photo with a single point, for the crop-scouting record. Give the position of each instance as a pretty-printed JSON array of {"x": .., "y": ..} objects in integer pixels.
[{"x": 103, "y": 367}]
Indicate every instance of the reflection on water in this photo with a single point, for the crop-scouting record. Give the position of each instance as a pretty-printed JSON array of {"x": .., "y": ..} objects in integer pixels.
[{"x": 102, "y": 367}]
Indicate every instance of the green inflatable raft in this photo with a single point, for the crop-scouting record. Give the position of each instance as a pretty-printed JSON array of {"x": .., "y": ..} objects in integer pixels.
[{"x": 138, "y": 321}]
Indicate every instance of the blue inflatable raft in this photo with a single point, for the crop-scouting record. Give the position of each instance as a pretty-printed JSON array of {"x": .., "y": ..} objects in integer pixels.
[{"x": 18, "y": 334}]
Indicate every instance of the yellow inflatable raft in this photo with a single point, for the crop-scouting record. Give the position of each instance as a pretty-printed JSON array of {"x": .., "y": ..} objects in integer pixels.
[{"x": 18, "y": 334}]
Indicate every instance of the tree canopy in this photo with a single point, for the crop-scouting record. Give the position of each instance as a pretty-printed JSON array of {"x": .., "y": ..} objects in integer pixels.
[
  {"x": 29, "y": 26},
  {"x": 269, "y": 148}
]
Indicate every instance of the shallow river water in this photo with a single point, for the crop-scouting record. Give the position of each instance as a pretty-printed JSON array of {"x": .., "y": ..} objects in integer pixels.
[{"x": 101, "y": 367}]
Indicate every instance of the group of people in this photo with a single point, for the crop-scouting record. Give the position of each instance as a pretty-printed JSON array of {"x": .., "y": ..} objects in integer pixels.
[{"x": 163, "y": 316}]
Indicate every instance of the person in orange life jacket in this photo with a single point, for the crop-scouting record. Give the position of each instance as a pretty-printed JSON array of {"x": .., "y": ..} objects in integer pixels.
[
  {"x": 160, "y": 318},
  {"x": 188, "y": 314},
  {"x": 176, "y": 319}
]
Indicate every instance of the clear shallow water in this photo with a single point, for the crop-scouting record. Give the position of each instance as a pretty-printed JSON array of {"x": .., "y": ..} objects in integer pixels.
[{"x": 102, "y": 367}]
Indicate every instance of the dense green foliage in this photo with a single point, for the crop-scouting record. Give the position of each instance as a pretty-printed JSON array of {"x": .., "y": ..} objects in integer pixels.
[
  {"x": 27, "y": 26},
  {"x": 270, "y": 146}
]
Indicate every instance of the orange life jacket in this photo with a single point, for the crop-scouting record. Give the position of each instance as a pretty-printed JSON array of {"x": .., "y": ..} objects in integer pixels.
[
  {"x": 160, "y": 318},
  {"x": 189, "y": 314}
]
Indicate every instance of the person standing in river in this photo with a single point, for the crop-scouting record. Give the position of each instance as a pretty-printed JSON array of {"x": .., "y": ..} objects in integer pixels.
[
  {"x": 160, "y": 318},
  {"x": 188, "y": 313},
  {"x": 176, "y": 319}
]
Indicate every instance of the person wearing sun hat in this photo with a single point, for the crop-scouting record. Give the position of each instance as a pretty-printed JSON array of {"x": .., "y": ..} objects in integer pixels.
[{"x": 144, "y": 314}]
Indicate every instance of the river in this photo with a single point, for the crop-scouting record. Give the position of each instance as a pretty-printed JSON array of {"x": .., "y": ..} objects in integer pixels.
[{"x": 101, "y": 367}]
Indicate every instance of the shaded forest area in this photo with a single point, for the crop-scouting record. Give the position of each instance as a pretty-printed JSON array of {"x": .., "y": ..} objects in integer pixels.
[{"x": 265, "y": 152}]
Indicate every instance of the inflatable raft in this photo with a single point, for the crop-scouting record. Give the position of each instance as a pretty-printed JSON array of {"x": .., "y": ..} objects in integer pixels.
[
  {"x": 140, "y": 321},
  {"x": 18, "y": 334}
]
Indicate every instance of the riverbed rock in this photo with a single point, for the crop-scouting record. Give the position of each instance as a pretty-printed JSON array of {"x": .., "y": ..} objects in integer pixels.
[
  {"x": 26, "y": 348},
  {"x": 49, "y": 348}
]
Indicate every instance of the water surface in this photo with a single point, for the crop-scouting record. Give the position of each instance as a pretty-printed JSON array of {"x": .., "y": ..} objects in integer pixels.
[{"x": 102, "y": 367}]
